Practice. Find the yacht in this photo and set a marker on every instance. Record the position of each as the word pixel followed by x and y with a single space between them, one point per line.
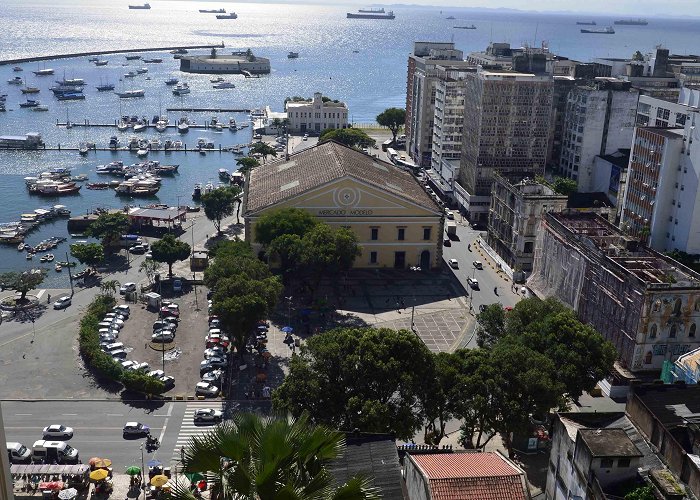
pixel 232 125
pixel 83 149
pixel 181 89
pixel 70 96
pixel 130 74
pixel 16 81
pixel 209 187
pixel 154 144
pixel 224 85
pixel 43 72
pixel 183 125
pixel 137 187
pixel 104 87
pixel 115 167
pixel 292 55
pixel 154 60
pixel 204 143
pixel 141 71
pixel 232 15
pixel 71 82
pixel 162 124
pixel 17 68
pixel 133 143
pixel 171 81
pixel 145 6
pixel 132 57
pixel 177 144
pixel 224 175
pixel 140 126
pixel 122 125
pixel 29 103
pixel 212 11
pixel 40 107
pixel 142 152
pixel 113 142
pixel 103 62
pixel 131 93
pixel 30 90
pixel 197 192
pixel 216 79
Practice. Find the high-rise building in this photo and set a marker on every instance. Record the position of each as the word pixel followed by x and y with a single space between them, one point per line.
pixel 599 120
pixel 420 94
pixel 506 129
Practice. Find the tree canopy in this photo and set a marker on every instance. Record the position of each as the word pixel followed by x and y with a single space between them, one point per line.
pixel 246 164
pixel 88 253
pixel 23 282
pixel 264 149
pixel 219 204
pixel 283 221
pixel 393 119
pixel 359 378
pixel 565 186
pixel 353 137
pixel 270 458
pixel 170 250
pixel 109 227
pixel 329 252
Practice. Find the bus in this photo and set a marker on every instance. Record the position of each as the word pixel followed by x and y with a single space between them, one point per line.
pixel 392 155
pixel 407 165
pixel 387 144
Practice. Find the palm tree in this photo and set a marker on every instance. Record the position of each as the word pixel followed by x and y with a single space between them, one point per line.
pixel 109 287
pixel 265 458
pixel 246 164
pixel 263 149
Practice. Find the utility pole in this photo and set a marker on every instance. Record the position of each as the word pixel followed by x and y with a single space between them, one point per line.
pixel 70 275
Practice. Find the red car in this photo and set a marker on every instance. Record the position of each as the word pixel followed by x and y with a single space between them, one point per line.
pixel 168 311
pixel 216 339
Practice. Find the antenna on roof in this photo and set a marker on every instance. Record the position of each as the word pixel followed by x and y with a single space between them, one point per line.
pixel 534 40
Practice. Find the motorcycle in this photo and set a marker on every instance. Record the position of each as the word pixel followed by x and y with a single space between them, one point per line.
pixel 152 442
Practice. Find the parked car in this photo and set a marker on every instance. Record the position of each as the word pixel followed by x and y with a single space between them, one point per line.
pixel 216 351
pixel 116 346
pixel 168 381
pixel 127 288
pixel 168 311
pixel 109 324
pixel 165 324
pixel 208 415
pixel 213 362
pixel 115 316
pixel 214 323
pixel 206 389
pixel 477 264
pixel 109 331
pixel 138 249
pixel 118 323
pixel 135 429
pixel 453 263
pixel 122 309
pixel 57 431
pixel 156 373
pixel 447 242
pixel 473 283
pixel 163 336
pixel 107 339
pixel 216 339
pixel 213 375
pixel 62 303
pixel 450 215
pixel 141 367
pixel 127 365
pixel 119 355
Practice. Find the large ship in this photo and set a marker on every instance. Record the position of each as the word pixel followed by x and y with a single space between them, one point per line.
pixel 380 10
pixel 632 22
pixel 585 23
pixel 371 15
pixel 145 6
pixel 231 15
pixel 606 31
pixel 212 11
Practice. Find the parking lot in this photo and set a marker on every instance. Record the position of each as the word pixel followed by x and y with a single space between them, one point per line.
pixel 180 358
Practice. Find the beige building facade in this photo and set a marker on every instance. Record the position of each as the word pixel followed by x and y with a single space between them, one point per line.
pixel 397 223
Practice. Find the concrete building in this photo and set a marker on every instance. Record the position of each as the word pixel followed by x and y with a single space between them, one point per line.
pixel 397 223
pixel 644 302
pixel 466 475
pixel 685 369
pixel 517 206
pixel 594 455
pixel 506 129
pixel 236 63
pixel 316 115
pixel 600 119
pixel 422 78
pixel 610 177
pixel 655 112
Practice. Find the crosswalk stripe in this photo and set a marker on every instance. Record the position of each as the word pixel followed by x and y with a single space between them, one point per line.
pixel 188 429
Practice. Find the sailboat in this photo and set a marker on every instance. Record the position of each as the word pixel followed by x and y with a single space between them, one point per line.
pixel 104 87
pixel 29 90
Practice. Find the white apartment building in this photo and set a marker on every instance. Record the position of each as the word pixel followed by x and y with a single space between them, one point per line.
pixel 599 120
pixel 316 115
pixel 654 112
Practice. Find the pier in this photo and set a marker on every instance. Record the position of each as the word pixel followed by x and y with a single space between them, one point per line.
pixel 209 110
pixel 106 52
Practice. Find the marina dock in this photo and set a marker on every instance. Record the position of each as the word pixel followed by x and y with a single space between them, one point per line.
pixel 105 52
pixel 208 110
pixel 205 126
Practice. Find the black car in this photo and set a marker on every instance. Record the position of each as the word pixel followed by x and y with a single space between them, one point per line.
pixel 447 242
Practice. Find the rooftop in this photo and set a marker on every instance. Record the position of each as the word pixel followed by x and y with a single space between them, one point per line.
pixel 690 359
pixel 671 133
pixel 621 158
pixel 322 164
pixel 472 476
pixel 609 443
pixel 673 405
pixel 166 214
pixel 589 200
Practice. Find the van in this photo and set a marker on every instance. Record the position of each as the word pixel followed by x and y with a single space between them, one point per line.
pixel 18 453
pixel 50 451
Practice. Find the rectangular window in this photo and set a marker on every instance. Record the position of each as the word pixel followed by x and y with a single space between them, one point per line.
pixel 623 462
pixel 606 463
pixel 375 233
pixel 426 233
pixel 373 257
pixel 402 234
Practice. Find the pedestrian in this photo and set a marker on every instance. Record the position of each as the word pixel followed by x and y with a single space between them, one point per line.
pixel 48 298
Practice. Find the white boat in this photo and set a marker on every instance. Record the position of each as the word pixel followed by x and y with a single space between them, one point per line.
pixel 216 79
pixel 16 81
pixel 223 174
pixel 181 89
pixel 122 125
pixel 113 142
pixel 183 125
pixel 162 124
pixel 171 81
pixel 209 187
pixel 41 107
pixel 140 126
pixel 141 71
pixel 130 74
pixel 154 144
pixel 224 85
pixel 177 144
pixel 133 143
pixel 131 93
pixel 141 153
pixel 83 149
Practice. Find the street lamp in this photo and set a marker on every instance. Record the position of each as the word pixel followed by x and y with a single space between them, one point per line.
pixel 413 307
pixel 143 476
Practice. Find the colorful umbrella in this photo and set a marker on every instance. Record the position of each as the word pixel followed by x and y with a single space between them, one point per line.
pixel 99 474
pixel 194 476
pixel 68 494
pixel 93 460
pixel 51 485
pixel 287 329
pixel 159 480
pixel 154 463
pixel 133 470
pixel 102 463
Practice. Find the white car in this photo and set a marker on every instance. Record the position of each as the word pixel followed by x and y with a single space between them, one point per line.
pixel 106 339
pixel 163 336
pixel 62 303
pixel 213 376
pixel 213 362
pixel 208 415
pixel 108 331
pixel 215 351
pixel 118 323
pixel 109 324
pixel 141 367
pixel 122 309
pixel 168 381
pixel 453 263
pixel 206 389
pixel 165 324
pixel 127 288
pixel 135 429
pixel 115 316
pixel 119 356
pixel 473 283
pixel 450 215
pixel 156 373
pixel 305 138
pixel 58 431
pixel 128 365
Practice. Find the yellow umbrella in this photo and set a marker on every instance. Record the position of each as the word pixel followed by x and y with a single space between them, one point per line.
pixel 102 463
pixel 159 480
pixel 99 474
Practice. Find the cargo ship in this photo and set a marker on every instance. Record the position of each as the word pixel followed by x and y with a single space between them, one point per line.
pixel 371 15
pixel 632 22
pixel 380 10
pixel 607 31
pixel 145 6
pixel 212 11
pixel 585 23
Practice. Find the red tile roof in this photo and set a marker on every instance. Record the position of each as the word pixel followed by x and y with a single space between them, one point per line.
pixel 472 476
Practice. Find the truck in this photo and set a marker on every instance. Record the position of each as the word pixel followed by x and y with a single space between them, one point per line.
pixel 18 453
pixel 451 228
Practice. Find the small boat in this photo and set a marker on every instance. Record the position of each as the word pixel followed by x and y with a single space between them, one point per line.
pixel 472 27
pixel 58 267
pixel 41 107
pixel 586 23
pixel 141 71
pixel 17 68
pixel 43 72
pixel 104 87
pixel 122 125
pixel 83 149
pixel 130 74
pixel 224 175
pixel 30 256
pixel 161 125
pixel 292 55
pixel 16 80
pixel 212 11
pixel 450 18
pixel 154 144
pixel 113 142
pixel 216 79
pixel 171 81
pixel 181 89
pixel 197 192
pixel 154 60
pixel 132 57
pixel 140 126
pixel 93 59
pixel 30 90
pixel 141 153
pixel 29 103
pixel 71 96
pixel 21 247
pixel 232 125
pixel 145 6
pixel 103 62
pixel 177 144
pixel 232 15
pixel 224 85
pixel 47 258
pixel 605 31
pixel 237 178
pixel 183 126
pixel 79 178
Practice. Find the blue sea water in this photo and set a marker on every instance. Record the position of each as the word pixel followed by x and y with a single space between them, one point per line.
pixel 369 81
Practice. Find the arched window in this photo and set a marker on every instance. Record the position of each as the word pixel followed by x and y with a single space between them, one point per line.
pixel 652 331
pixel 691 332
pixel 647 358
pixel 677 306
pixel 673 332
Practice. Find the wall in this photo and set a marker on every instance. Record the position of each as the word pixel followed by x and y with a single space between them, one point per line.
pixel 561 477
pixel 416 484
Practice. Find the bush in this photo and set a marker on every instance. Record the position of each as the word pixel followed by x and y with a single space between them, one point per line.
pixel 101 362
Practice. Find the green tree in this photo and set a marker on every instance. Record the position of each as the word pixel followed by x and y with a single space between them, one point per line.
pixel 352 137
pixel 283 221
pixel 328 251
pixel 23 282
pixel 264 149
pixel 641 493
pixel 88 253
pixel 491 325
pixel 109 227
pixel 270 458
pixel 149 267
pixel 289 249
pixel 170 250
pixel 565 186
pixel 439 394
pixel 109 287
pixel 231 259
pixel 219 204
pixel 359 378
pixel 393 119
pixel 247 164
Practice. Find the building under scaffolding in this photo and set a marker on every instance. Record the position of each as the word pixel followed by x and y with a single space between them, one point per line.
pixel 646 304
